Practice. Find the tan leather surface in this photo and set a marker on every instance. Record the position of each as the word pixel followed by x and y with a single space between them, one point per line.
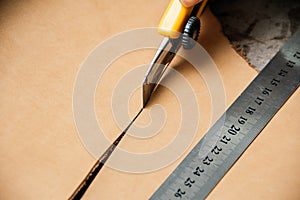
pixel 43 44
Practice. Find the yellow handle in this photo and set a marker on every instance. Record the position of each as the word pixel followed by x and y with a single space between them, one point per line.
pixel 175 17
pixel 202 7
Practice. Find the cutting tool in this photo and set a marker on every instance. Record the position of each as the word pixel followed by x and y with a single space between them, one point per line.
pixel 180 26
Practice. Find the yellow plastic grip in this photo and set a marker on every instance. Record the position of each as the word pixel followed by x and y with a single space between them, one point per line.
pixel 174 18
pixel 202 7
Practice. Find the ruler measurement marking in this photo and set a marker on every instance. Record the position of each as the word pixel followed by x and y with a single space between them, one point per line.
pixel 242 127
pixel 250 111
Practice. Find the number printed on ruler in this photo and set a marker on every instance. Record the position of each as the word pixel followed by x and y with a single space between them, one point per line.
pixel 207 163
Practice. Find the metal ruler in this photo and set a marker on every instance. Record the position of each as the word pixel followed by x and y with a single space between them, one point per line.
pixel 230 136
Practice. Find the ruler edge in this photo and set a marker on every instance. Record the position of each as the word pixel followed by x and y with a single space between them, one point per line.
pixel 240 148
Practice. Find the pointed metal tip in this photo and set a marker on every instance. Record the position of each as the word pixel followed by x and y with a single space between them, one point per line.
pixel 147 91
pixel 146 94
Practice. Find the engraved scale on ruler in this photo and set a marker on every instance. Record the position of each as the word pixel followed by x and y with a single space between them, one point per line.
pixel 198 174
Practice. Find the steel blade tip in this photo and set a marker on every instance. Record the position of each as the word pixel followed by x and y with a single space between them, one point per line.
pixel 147 91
